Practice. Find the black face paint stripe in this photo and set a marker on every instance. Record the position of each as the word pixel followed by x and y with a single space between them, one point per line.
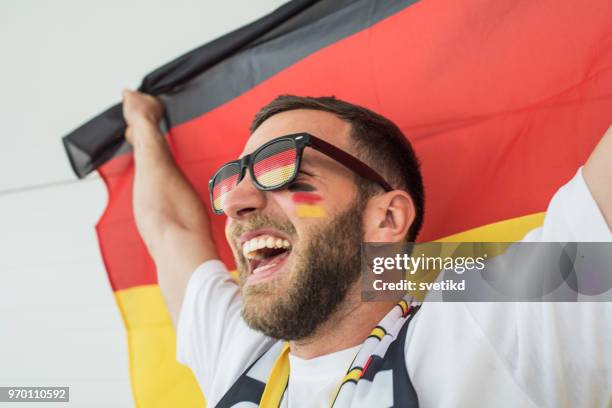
pixel 302 187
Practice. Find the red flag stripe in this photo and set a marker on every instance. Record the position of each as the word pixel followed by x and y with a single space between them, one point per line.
pixel 498 122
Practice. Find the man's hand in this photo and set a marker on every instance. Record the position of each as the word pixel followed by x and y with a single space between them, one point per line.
pixel 170 216
pixel 140 110
pixel 598 176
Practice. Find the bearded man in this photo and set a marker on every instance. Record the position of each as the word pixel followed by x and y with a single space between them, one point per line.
pixel 293 331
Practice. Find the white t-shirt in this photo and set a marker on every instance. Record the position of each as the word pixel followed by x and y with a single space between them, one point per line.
pixel 457 354
pixel 319 377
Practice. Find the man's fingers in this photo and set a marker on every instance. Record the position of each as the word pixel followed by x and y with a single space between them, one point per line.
pixel 141 112
pixel 138 106
pixel 128 96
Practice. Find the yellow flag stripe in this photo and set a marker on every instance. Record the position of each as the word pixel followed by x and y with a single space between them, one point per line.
pixel 157 379
pixel 511 230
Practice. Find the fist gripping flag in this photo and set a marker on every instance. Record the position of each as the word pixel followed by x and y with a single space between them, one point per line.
pixel 502 101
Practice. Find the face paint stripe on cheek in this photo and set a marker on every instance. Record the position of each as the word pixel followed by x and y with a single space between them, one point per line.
pixel 310 211
pixel 307 206
pixel 306 198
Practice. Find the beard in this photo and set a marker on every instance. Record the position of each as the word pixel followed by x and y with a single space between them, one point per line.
pixel 292 306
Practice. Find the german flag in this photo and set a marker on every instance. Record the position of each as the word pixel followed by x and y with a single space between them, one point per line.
pixel 503 100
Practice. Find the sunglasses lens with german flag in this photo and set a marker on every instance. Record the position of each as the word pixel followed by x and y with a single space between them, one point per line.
pixel 272 167
pixel 275 165
pixel 225 180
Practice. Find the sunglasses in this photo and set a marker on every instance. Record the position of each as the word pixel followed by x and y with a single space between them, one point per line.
pixel 276 164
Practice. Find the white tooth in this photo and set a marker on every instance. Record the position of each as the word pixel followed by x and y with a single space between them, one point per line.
pixel 278 243
pixel 261 243
pixel 270 242
pixel 286 243
pixel 245 250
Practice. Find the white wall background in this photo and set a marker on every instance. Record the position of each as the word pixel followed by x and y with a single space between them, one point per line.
pixel 62 62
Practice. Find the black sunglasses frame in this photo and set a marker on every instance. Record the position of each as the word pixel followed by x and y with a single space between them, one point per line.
pixel 301 140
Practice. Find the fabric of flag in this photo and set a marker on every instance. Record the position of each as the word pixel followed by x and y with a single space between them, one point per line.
pixel 502 100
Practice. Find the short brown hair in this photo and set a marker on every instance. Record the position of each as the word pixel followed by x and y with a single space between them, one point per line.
pixel 378 141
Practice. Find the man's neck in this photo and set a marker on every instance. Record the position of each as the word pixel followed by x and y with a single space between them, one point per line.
pixel 349 326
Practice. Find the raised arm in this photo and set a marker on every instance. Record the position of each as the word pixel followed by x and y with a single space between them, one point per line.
pixel 169 214
pixel 598 175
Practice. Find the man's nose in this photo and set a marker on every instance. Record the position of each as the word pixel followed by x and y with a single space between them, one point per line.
pixel 244 199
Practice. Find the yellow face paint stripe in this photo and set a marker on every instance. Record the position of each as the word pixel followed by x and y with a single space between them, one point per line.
pixel 310 211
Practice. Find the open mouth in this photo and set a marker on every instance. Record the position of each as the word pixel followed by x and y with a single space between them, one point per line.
pixel 265 255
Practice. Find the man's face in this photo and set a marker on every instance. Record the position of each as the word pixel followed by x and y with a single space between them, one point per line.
pixel 296 268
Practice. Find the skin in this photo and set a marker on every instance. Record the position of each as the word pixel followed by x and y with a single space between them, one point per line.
pixel 173 223
pixel 170 217
pixel 387 218
pixel 598 175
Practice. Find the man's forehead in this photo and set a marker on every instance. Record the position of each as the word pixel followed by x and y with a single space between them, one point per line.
pixel 323 125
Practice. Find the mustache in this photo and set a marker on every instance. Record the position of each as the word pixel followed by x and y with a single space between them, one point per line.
pixel 261 221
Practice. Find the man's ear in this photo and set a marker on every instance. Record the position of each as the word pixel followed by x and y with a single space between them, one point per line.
pixel 388 217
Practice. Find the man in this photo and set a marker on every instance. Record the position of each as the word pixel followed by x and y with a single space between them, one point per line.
pixel 299 274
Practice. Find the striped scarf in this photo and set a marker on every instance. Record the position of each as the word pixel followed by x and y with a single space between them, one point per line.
pixel 377 376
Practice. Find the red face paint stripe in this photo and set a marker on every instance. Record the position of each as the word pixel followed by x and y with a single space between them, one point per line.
pixel 306 198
